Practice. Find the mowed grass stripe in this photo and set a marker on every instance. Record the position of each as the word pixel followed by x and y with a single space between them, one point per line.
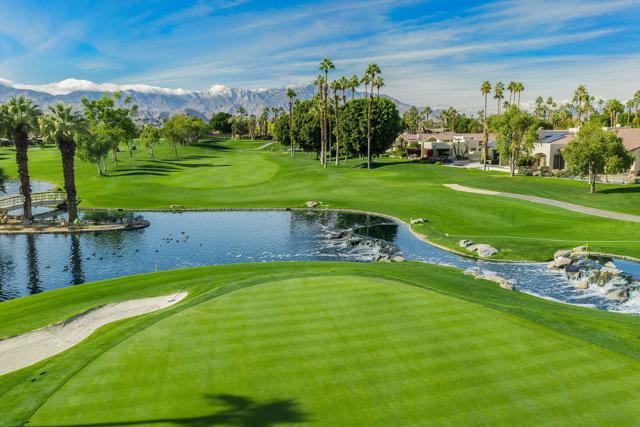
pixel 361 367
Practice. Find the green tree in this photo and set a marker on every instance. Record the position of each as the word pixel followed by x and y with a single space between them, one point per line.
pixel 117 116
pixel 291 95
pixel 175 131
pixel 411 120
pixel 19 118
pixel 595 152
pixel 149 137
pixel 282 131
pixel 515 135
pixel 344 85
pixel 378 83
pixel 219 122
pixel 65 127
pixel 95 145
pixel 579 98
pixel 335 87
pixel 305 132
pixel 357 137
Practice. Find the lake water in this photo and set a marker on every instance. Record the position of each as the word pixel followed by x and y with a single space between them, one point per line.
pixel 35 263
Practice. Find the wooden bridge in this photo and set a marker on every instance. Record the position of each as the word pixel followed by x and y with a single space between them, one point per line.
pixel 50 198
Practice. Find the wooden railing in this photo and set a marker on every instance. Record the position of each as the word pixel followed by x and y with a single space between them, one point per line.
pixel 14 201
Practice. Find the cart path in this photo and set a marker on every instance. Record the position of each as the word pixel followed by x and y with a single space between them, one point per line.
pixel 551 202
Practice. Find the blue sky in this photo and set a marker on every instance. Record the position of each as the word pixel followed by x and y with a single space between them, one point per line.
pixel 431 52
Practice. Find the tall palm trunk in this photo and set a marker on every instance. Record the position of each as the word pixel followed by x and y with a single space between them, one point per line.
pixel 68 152
pixel 353 93
pixel 335 103
pixel 369 129
pixel 485 135
pixel 293 151
pixel 21 142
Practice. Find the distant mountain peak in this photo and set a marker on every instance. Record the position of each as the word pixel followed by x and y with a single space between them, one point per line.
pixel 155 103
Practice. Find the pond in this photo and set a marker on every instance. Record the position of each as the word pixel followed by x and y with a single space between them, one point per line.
pixel 31 264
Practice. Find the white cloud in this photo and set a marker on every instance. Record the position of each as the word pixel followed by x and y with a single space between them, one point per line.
pixel 67 86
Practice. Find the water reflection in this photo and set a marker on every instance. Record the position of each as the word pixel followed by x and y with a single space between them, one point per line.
pixel 33 269
pixel 75 261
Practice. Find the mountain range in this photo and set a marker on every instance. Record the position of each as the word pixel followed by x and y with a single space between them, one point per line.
pixel 156 103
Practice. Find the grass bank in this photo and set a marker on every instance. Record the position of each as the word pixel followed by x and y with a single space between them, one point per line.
pixel 326 344
pixel 219 173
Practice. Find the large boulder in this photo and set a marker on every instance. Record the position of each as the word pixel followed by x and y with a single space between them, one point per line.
pixel 562 253
pixel 582 285
pixel 465 243
pixel 562 262
pixel 417 220
pixel 312 204
pixel 620 295
pixel 483 250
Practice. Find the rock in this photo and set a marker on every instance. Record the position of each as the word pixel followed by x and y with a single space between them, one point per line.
pixel 610 264
pixel 582 285
pixel 621 295
pixel 398 258
pixel 552 266
pixel 613 271
pixel 312 204
pixel 506 285
pixel 483 250
pixel 417 220
pixel 572 272
pixel 562 262
pixel 562 254
pixel 579 249
pixel 465 243
pixel 471 272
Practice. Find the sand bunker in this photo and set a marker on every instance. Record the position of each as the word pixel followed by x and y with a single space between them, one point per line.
pixel 26 349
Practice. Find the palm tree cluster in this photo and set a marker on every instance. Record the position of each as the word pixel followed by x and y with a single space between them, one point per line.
pixel 21 120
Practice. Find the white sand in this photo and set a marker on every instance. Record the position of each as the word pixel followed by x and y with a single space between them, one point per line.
pixel 31 347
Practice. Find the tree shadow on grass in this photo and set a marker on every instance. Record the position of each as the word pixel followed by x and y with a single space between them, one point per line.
pixel 231 410
pixel 621 190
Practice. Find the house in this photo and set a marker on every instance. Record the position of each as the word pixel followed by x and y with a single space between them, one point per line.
pixel 547 150
pixel 631 141
pixel 446 144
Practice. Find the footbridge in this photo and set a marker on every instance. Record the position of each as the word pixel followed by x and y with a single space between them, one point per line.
pixel 49 198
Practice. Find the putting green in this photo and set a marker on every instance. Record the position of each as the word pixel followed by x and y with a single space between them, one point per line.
pixel 347 350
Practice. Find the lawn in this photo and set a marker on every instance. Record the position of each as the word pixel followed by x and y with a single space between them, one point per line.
pixel 319 344
pixel 218 173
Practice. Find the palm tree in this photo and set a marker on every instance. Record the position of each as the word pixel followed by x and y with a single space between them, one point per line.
pixel 335 87
pixel 365 80
pixel 519 89
pixel 344 85
pixel 290 95
pixel 378 83
pixel 20 117
pixel 550 105
pixel 451 114
pixel 636 98
pixel 629 105
pixel 319 83
pixel 354 83
pixel 485 89
pixel 578 98
pixel 427 112
pixel 64 126
pixel 498 94
pixel 372 71
pixel 326 65
pixel 512 87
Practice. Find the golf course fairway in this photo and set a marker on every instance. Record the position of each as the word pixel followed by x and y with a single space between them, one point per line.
pixel 326 344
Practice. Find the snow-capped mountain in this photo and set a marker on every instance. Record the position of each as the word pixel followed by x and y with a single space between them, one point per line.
pixel 157 103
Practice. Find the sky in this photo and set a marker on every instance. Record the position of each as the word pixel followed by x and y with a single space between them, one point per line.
pixel 434 53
